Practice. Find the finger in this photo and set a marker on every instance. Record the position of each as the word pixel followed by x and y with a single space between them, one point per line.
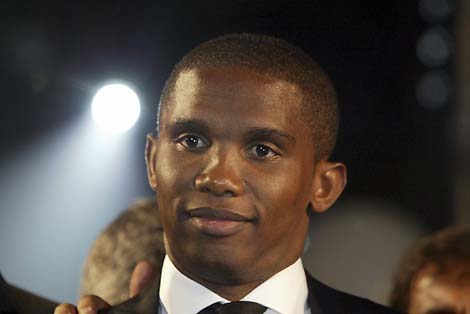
pixel 65 308
pixel 143 274
pixel 91 304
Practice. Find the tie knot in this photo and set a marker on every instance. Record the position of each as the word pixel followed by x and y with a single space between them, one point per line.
pixel 237 307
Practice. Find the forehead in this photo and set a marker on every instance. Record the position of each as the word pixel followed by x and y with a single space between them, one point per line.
pixel 243 94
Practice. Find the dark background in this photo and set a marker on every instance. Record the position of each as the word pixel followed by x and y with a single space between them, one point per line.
pixel 56 54
pixel 395 149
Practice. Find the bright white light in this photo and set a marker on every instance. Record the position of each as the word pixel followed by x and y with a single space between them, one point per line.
pixel 115 108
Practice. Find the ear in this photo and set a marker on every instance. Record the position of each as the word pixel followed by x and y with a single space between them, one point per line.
pixel 329 181
pixel 150 159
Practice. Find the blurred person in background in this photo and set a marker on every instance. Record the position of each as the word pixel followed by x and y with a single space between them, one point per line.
pixel 434 275
pixel 134 238
pixel 121 261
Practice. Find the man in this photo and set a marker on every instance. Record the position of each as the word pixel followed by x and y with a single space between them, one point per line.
pixel 434 275
pixel 245 127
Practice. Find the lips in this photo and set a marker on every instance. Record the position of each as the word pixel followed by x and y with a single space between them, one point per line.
pixel 217 214
pixel 217 222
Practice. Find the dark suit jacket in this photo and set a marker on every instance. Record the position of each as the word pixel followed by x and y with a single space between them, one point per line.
pixel 17 301
pixel 321 298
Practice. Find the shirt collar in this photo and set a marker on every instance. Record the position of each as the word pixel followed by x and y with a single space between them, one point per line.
pixel 285 292
pixel 182 295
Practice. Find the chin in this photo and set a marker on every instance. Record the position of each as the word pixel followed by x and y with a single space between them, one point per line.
pixel 224 270
pixel 222 264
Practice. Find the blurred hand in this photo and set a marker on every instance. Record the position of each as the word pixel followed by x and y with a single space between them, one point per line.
pixel 88 304
pixel 142 275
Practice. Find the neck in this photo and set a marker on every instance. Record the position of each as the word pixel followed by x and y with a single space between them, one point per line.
pixel 229 288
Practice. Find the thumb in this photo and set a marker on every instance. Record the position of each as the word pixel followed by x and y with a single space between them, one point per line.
pixel 143 274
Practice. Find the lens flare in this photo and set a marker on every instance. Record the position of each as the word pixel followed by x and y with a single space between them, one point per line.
pixel 115 108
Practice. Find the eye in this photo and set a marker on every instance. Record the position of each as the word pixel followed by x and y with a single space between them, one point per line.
pixel 262 151
pixel 191 141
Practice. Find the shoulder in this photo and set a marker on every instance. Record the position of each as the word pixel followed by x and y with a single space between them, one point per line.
pixel 16 300
pixel 325 299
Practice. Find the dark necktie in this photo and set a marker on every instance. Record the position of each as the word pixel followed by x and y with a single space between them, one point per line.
pixel 238 307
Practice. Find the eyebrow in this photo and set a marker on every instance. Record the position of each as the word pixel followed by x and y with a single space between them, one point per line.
pixel 183 125
pixel 268 132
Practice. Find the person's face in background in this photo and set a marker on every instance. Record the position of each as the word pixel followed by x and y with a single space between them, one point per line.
pixel 441 291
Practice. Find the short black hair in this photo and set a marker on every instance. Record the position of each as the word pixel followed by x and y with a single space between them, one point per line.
pixel 277 59
pixel 442 250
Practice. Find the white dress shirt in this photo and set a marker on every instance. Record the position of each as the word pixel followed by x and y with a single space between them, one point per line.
pixel 284 293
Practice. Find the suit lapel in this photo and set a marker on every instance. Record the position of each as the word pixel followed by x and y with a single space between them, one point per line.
pixel 311 297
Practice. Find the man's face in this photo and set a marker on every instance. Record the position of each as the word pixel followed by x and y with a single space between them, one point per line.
pixel 441 291
pixel 234 166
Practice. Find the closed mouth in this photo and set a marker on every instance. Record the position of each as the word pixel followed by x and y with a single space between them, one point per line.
pixel 217 222
pixel 217 214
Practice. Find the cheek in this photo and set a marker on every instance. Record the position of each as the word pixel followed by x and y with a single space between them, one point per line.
pixel 172 181
pixel 286 186
pixel 284 197
pixel 173 171
pixel 283 216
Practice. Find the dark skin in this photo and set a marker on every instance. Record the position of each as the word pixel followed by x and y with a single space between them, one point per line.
pixel 234 141
pixel 236 170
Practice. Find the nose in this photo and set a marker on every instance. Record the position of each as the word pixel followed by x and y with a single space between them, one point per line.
pixel 221 177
